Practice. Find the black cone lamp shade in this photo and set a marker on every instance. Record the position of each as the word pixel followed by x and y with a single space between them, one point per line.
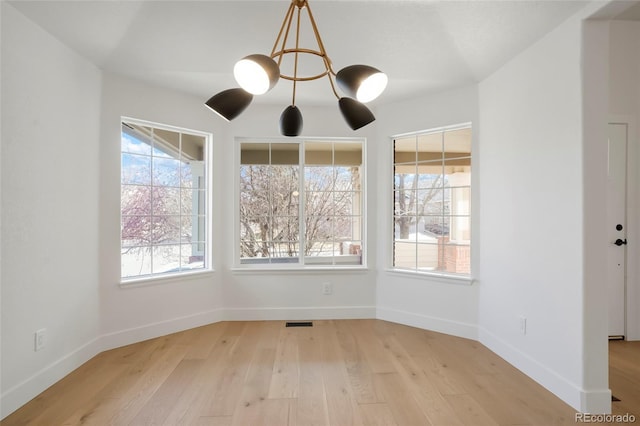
pixel 257 74
pixel 230 103
pixel 362 82
pixel 356 114
pixel 291 121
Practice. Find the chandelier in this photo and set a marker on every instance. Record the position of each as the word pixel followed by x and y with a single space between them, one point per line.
pixel 257 74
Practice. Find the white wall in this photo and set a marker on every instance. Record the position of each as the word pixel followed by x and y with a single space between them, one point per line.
pixel 50 139
pixel 624 105
pixel 423 301
pixel 133 313
pixel 531 221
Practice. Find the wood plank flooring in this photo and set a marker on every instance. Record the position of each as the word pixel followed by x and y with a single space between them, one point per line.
pixel 624 377
pixel 343 372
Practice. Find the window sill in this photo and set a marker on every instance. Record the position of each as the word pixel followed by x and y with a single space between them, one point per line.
pixel 299 270
pixel 434 276
pixel 165 279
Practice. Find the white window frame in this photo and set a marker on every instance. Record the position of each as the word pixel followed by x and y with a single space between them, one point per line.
pixel 443 276
pixel 304 263
pixel 205 173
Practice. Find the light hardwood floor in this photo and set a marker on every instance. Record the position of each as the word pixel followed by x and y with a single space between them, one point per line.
pixel 624 377
pixel 361 372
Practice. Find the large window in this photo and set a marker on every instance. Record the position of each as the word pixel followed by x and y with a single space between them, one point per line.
pixel 432 194
pixel 301 203
pixel 164 196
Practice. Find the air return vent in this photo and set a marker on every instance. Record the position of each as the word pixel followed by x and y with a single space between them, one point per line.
pixel 299 324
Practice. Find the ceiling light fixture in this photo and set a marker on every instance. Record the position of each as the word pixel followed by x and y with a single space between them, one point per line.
pixel 257 74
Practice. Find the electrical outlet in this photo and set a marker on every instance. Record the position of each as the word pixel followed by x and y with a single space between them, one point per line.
pixel 327 288
pixel 523 325
pixel 39 339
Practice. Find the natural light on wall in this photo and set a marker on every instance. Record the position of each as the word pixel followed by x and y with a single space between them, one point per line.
pixel 432 201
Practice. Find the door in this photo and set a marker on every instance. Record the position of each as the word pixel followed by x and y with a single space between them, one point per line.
pixel 616 227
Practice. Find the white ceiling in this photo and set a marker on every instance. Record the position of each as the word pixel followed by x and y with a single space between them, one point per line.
pixel 423 46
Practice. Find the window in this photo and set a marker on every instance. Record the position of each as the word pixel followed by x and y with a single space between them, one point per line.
pixel 301 203
pixel 164 200
pixel 432 194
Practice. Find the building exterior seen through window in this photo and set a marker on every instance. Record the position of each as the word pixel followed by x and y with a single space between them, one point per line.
pixel 432 201
pixel 163 202
pixel 301 203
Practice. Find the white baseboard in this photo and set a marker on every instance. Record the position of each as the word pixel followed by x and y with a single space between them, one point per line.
pixel 161 328
pixel 23 392
pixel 594 402
pixel 440 325
pixel 308 313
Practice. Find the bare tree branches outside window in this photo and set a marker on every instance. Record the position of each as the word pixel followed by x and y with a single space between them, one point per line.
pixel 291 213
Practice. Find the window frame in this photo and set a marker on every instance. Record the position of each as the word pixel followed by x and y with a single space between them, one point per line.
pixel 437 275
pixel 207 174
pixel 238 266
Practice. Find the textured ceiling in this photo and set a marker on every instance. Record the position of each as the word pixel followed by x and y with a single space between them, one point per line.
pixel 423 46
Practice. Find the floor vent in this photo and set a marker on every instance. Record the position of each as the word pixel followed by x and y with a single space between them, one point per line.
pixel 299 324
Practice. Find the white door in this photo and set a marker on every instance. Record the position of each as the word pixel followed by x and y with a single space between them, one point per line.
pixel 616 227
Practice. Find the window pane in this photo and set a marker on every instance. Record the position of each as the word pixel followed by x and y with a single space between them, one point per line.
pixel 319 178
pixel 432 201
pixel 460 200
pixel 460 229
pixel 136 169
pixel 165 201
pixel 136 231
pixel 254 153
pixel 286 228
pixel 318 228
pixel 430 177
pixel 457 143
pixel 165 229
pixel 346 178
pixel 404 255
pixel 190 257
pixel 166 171
pixel 346 228
pixel 135 261
pixel 135 200
pixel 404 174
pixel 285 153
pixel 430 147
pixel 132 145
pixel 428 256
pixel 166 258
pixel 434 226
pixel 318 153
pixel 348 154
pixel 193 201
pixel 192 147
pixel 404 150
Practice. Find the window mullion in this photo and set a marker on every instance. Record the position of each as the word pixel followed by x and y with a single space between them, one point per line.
pixel 302 232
